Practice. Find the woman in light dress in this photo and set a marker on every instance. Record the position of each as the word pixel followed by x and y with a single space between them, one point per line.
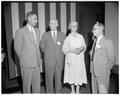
pixel 74 47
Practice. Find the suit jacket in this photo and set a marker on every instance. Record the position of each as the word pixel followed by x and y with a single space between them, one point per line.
pixel 103 58
pixel 26 48
pixel 52 51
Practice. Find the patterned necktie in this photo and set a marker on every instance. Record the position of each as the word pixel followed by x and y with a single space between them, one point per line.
pixel 94 45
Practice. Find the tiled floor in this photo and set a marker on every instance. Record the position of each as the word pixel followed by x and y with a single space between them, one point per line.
pixel 85 89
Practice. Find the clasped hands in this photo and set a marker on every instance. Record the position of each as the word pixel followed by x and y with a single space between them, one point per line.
pixel 77 50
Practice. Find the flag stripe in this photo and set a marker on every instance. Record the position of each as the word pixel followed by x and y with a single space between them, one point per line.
pixel 21 14
pixel 35 10
pixel 77 14
pixel 47 16
pixel 15 24
pixel 41 17
pixel 63 17
pixel 15 17
pixel 52 10
pixel 58 15
pixel 73 11
pixel 28 7
pixel 68 15
pixel 9 36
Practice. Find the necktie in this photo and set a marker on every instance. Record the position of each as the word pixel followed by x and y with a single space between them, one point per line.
pixel 93 52
pixel 32 30
pixel 54 36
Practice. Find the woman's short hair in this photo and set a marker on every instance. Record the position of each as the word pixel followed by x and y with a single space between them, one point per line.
pixel 71 23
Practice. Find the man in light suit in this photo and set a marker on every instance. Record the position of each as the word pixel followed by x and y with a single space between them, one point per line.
pixel 102 60
pixel 27 40
pixel 51 46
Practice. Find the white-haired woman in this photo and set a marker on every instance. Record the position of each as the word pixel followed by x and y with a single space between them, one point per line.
pixel 74 47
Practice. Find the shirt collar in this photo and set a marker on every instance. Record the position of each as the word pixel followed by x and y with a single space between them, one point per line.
pixel 98 39
pixel 30 28
pixel 54 31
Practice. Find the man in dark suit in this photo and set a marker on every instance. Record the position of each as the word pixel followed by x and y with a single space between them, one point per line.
pixel 102 60
pixel 51 46
pixel 27 40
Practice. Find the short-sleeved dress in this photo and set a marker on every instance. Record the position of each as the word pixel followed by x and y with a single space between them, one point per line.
pixel 76 72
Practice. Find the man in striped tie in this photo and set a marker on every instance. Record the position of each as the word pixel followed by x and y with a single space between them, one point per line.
pixel 26 44
pixel 51 46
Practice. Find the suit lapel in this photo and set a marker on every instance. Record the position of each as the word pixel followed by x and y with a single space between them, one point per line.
pixel 37 37
pixel 30 35
pixel 93 47
pixel 100 43
pixel 50 36
pixel 58 37
pixel 102 40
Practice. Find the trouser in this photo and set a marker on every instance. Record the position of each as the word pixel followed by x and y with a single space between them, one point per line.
pixel 31 78
pixel 52 74
pixel 100 84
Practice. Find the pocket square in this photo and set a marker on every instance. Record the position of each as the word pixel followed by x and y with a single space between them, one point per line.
pixel 58 43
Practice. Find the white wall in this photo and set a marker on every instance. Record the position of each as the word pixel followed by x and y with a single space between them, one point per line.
pixel 111 25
